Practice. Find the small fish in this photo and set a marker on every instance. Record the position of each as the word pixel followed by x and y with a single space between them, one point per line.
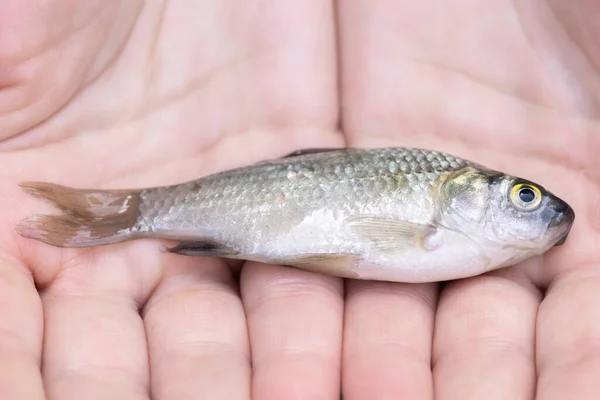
pixel 388 214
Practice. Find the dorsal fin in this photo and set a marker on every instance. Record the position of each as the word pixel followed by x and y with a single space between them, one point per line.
pixel 315 150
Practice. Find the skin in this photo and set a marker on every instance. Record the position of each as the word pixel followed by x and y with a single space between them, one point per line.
pixel 116 94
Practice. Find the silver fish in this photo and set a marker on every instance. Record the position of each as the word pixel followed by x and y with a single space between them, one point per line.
pixel 389 214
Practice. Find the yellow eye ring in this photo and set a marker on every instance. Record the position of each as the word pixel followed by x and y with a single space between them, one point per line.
pixel 525 196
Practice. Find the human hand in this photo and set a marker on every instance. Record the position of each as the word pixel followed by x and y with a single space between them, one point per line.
pixel 132 94
pixel 231 94
pixel 514 86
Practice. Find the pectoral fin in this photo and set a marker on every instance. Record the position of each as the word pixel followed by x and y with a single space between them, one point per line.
pixel 389 234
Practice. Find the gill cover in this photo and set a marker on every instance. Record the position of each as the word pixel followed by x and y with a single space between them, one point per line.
pixel 465 193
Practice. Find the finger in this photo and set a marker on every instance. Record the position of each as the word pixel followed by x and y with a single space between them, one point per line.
pixel 484 340
pixel 21 325
pixel 94 344
pixel 197 335
pixel 387 341
pixel 295 325
pixel 568 338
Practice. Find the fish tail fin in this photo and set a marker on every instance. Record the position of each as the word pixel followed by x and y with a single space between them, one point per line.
pixel 91 217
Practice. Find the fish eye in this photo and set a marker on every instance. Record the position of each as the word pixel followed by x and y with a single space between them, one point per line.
pixel 526 197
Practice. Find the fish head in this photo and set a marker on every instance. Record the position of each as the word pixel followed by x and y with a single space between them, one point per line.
pixel 506 216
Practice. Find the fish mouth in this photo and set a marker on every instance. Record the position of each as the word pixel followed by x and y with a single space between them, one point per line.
pixel 565 216
pixel 562 239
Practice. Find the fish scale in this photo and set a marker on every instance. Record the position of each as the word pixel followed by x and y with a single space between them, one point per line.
pixel 271 198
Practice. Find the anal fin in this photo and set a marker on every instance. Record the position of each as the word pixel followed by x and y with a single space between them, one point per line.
pixel 339 265
pixel 202 248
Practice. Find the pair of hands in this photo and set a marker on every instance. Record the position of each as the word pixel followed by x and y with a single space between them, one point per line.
pixel 130 94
